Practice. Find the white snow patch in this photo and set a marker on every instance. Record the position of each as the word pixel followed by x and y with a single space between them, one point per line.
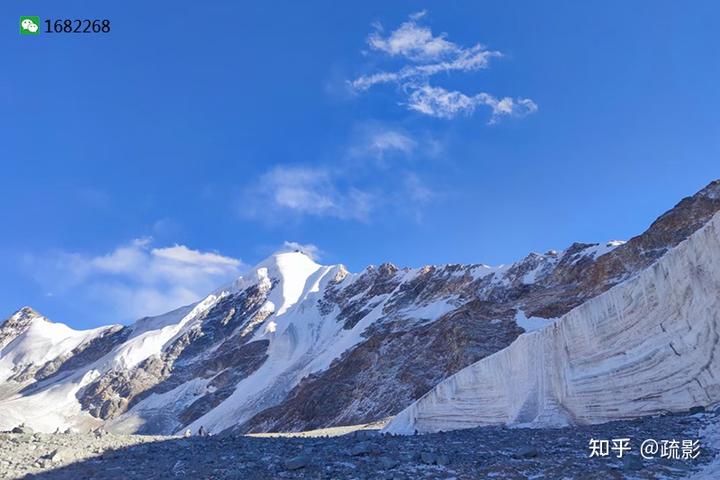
pixel 481 271
pixel 601 249
pixel 271 327
pixel 530 324
pixel 150 335
pixel 530 277
pixel 430 311
pixel 55 407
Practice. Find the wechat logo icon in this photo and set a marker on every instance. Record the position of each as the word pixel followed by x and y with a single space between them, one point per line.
pixel 29 25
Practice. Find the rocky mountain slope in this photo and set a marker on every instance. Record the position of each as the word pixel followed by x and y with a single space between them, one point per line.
pixel 294 345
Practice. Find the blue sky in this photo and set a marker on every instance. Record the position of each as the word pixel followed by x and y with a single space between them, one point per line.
pixel 144 167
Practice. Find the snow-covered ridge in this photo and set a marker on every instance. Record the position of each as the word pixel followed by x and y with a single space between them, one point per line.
pixel 40 342
pixel 289 277
pixel 646 346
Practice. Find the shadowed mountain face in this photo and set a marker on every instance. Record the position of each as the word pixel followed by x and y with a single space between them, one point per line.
pixel 295 345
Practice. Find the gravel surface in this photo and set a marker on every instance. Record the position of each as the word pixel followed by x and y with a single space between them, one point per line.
pixel 487 452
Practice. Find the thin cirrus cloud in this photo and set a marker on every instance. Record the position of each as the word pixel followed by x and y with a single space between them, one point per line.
pixel 385 141
pixel 308 191
pixel 375 146
pixel 427 55
pixel 134 279
pixel 350 188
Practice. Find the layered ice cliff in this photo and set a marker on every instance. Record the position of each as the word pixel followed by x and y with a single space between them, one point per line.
pixel 648 345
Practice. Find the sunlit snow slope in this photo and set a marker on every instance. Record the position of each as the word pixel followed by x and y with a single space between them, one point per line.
pixel 646 346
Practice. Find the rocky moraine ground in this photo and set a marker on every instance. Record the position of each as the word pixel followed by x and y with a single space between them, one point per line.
pixel 489 452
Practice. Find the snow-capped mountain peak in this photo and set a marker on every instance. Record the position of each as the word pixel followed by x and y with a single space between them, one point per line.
pixel 292 275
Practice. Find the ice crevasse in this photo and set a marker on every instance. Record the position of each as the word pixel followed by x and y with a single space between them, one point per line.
pixel 648 345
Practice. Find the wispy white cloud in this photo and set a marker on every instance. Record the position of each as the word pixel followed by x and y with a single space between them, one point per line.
pixel 300 190
pixel 379 144
pixel 438 102
pixel 412 41
pixel 441 103
pixel 134 279
pixel 428 55
pixel 387 140
pixel 468 60
pixel 418 44
pixel 367 176
pixel 416 190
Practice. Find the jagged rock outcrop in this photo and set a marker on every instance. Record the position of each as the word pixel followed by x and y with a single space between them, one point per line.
pixel 295 345
pixel 16 325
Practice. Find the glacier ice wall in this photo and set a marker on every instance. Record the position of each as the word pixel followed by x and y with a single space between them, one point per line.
pixel 646 346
